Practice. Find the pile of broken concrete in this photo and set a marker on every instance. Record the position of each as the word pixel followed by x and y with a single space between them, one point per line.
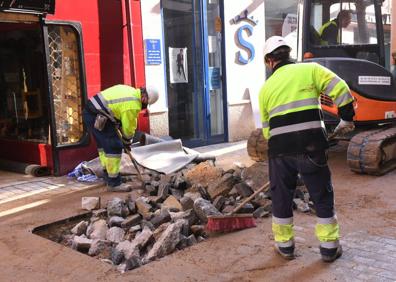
pixel 169 213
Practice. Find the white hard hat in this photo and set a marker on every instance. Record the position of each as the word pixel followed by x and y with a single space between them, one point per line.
pixel 273 43
pixel 152 93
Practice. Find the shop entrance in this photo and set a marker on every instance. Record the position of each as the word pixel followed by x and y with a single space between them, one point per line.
pixel 193 50
pixel 42 92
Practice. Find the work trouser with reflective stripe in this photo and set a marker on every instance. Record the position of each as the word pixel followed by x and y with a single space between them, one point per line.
pixel 109 147
pixel 316 175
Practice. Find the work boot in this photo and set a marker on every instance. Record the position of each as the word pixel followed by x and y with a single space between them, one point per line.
pixel 330 255
pixel 285 252
pixel 123 187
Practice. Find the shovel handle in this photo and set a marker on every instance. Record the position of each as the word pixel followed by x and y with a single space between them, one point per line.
pixel 248 199
pixel 129 154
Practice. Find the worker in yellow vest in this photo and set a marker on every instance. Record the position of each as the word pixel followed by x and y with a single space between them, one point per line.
pixel 297 143
pixel 118 105
pixel 330 32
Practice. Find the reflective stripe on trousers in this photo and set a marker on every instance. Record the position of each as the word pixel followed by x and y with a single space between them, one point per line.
pixel 282 228
pixel 113 162
pixel 327 231
pixel 102 157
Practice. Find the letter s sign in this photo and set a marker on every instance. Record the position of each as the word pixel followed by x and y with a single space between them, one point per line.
pixel 248 47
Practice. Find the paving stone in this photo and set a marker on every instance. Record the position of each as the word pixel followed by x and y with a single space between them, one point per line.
pixel 143 238
pixel 243 189
pixel 115 221
pixel 80 228
pixel 131 221
pixel 127 250
pixel 163 190
pixel 221 186
pixel 219 202
pixel 186 203
pixel 172 203
pixel 97 230
pixel 115 207
pixel 98 247
pixel 189 215
pixel 115 234
pixel 204 208
pixel 143 208
pixel 81 243
pixel 90 203
pixel 161 218
pixel 167 242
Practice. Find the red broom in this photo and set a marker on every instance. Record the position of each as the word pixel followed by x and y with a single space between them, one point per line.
pixel 232 221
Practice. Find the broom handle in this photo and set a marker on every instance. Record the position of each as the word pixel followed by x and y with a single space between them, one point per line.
pixel 262 188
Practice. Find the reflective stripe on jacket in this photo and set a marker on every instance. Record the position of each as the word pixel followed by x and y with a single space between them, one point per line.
pixel 290 109
pixel 123 103
pixel 329 33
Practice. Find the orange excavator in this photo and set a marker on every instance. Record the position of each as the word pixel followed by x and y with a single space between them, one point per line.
pixel 358 56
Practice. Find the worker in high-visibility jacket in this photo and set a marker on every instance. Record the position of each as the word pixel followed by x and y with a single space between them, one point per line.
pixel 297 142
pixel 330 32
pixel 118 105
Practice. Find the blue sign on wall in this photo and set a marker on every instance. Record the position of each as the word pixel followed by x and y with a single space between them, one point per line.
pixel 214 78
pixel 152 49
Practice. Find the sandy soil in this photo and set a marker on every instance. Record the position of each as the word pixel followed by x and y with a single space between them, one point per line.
pixel 363 203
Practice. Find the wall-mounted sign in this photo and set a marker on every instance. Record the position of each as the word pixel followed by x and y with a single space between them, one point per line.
pixel 241 41
pixel 178 69
pixel 152 51
pixel 214 78
pixel 41 6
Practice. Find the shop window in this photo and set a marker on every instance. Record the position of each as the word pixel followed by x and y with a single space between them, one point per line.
pixel 24 111
pixel 65 72
pixel 281 20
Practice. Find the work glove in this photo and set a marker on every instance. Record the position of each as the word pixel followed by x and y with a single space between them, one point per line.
pixel 344 127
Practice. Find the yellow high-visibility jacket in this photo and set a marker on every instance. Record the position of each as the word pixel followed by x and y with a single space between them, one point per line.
pixel 123 103
pixel 290 109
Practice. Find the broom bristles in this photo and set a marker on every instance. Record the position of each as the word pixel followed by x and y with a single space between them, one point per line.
pixel 229 223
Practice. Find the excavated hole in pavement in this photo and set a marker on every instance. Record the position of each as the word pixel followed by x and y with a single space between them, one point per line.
pixel 166 214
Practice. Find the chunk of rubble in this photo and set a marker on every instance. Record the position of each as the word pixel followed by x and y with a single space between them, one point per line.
pixel 260 212
pixel 162 217
pixel 81 243
pixel 172 203
pixel 80 228
pixel 187 203
pixel 115 234
pixel 90 203
pixel 143 208
pixel 117 207
pixel 115 221
pixel 204 208
pixel 167 242
pixel 98 247
pixel 131 221
pixel 143 238
pixel 97 229
pixel 221 186
pixel 301 205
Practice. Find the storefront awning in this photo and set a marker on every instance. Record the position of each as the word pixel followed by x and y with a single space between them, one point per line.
pixel 28 6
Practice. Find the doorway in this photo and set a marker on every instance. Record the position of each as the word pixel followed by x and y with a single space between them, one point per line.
pixel 193 43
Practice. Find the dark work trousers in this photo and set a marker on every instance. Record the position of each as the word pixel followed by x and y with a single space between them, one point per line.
pixel 107 139
pixel 316 175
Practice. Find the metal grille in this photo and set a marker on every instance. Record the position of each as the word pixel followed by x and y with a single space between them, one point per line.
pixel 66 90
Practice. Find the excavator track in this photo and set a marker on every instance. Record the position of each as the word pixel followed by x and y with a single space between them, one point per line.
pixel 373 152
